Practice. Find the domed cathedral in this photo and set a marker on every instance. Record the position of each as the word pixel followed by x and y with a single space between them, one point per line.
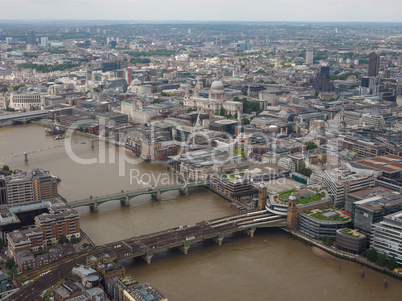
pixel 215 102
pixel 217 91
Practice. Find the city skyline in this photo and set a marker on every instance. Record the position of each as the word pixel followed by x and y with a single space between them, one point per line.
pixel 223 10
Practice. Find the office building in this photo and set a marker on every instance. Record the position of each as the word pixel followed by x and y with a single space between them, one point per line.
pixel 387 236
pixel 3 191
pixel 31 40
pixel 19 189
pixel 320 224
pixel 339 182
pixel 390 167
pixel 30 186
pixel 374 64
pixel 44 41
pixel 322 81
pixel 350 240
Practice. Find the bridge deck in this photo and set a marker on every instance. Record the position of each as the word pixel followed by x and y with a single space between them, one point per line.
pixel 185 236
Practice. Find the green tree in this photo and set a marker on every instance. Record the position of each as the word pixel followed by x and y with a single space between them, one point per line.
pixel 4 89
pixel 245 121
pixel 1 244
pixel 63 239
pixel 311 145
pixel 222 112
pixel 382 259
pixel 392 263
pixel 6 167
pixel 10 263
pixel 306 172
pixel 372 255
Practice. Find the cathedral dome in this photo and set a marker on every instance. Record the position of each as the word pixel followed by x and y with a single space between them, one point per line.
pixel 217 85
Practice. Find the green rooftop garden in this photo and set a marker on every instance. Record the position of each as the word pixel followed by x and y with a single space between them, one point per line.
pixel 285 194
pixel 304 197
pixel 319 214
pixel 311 198
pixel 350 232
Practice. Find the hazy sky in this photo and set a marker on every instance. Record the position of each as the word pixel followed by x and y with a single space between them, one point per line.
pixel 200 10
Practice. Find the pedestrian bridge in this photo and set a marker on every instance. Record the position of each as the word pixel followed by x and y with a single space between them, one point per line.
pixel 125 196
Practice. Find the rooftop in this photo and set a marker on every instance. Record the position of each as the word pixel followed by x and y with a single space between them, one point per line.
pixel 329 214
pixel 389 163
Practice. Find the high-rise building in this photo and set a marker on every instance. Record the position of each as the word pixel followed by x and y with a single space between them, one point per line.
pixel 309 57
pixel 30 186
pixel 31 40
pixel 44 41
pixel 399 61
pixel 374 64
pixel 3 192
pixel 323 82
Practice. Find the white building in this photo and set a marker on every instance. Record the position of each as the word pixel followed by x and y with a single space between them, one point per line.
pixel 26 101
pixel 44 41
pixel 215 102
pixel 309 57
pixel 339 182
pixel 387 236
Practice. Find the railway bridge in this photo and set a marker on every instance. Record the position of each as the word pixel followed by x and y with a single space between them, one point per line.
pixel 184 236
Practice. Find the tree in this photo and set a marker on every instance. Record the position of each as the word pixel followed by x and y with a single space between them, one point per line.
pixel 382 259
pixel 311 145
pixel 4 89
pixel 6 167
pixel 1 244
pixel 372 255
pixel 222 112
pixel 245 121
pixel 306 172
pixel 10 263
pixel 392 263
pixel 63 239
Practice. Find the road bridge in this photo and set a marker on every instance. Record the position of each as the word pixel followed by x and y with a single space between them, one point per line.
pixel 23 117
pixel 125 196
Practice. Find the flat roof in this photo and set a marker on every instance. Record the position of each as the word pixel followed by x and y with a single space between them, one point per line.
pixel 388 163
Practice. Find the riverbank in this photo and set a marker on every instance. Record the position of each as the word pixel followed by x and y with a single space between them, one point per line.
pixel 342 254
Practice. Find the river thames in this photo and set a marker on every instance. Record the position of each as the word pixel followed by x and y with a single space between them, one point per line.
pixel 270 266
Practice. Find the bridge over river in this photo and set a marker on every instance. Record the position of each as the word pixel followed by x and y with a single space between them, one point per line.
pixel 184 236
pixel 23 117
pixel 125 196
pixel 145 246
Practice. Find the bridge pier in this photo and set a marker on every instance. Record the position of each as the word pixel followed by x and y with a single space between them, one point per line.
pixel 125 202
pixel 157 196
pixel 219 239
pixel 92 144
pixel 184 191
pixel 185 248
pixel 94 207
pixel 148 256
pixel 26 157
